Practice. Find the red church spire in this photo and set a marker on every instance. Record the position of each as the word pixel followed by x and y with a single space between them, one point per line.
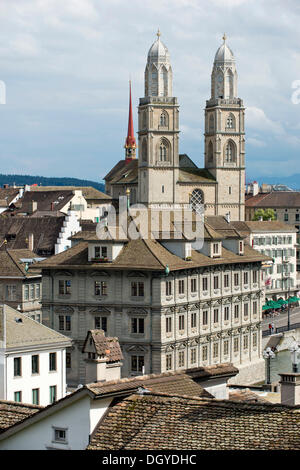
pixel 130 143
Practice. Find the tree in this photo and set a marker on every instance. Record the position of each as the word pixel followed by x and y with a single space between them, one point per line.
pixel 267 214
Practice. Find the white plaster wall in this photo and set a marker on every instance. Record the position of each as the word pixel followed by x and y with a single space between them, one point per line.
pixel 43 380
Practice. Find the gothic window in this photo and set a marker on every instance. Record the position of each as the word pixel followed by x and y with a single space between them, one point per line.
pixel 211 124
pixel 230 121
pixel 163 119
pixel 163 82
pixel 196 199
pixel 144 151
pixel 230 152
pixel 154 82
pixel 210 152
pixel 163 150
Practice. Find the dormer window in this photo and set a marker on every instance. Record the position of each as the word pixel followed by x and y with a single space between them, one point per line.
pixel 241 247
pixel 100 252
pixel 216 249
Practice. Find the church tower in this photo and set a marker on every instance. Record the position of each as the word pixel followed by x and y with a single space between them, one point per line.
pixel 158 111
pixel 225 136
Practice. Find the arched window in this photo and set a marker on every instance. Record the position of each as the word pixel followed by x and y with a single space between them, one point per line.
pixel 144 150
pixel 163 153
pixel 163 119
pixel 230 152
pixel 197 200
pixel 230 121
pixel 210 152
pixel 163 85
pixel 154 82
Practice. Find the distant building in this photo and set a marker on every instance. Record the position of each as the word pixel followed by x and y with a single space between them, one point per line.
pixel 277 240
pixel 20 288
pixel 32 360
pixel 286 205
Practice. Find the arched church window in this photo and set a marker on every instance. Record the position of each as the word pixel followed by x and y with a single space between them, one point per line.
pixel 197 200
pixel 230 152
pixel 210 151
pixel 164 119
pixel 154 82
pixel 230 121
pixel 163 152
pixel 163 82
pixel 144 151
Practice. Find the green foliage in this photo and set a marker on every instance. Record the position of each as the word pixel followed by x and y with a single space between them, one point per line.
pixel 266 214
pixel 20 180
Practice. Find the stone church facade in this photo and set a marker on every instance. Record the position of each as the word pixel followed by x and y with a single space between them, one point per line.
pixel 160 174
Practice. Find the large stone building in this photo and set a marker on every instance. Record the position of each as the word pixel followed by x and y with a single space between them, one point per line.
pixel 172 307
pixel 161 174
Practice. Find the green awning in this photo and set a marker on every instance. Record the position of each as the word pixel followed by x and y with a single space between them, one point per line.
pixel 282 301
pixel 294 299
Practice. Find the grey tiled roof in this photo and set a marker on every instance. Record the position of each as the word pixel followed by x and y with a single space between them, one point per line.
pixel 12 413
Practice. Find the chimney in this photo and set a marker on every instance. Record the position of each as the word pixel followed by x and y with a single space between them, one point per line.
pixel 255 188
pixel 30 241
pixel 290 389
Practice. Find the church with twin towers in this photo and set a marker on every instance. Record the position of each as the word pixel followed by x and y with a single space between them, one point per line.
pixel 154 172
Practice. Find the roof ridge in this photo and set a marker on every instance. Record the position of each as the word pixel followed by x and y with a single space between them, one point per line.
pixel 22 272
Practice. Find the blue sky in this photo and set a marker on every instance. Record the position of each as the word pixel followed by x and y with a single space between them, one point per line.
pixel 66 66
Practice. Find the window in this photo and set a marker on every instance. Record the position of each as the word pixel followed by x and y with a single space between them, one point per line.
pixel 52 361
pixel 18 397
pixel 226 280
pixel 204 353
pixel 60 435
pixel 168 324
pixel 181 322
pixel 17 367
pixel 193 320
pixel 205 317
pixel 64 287
pixel 255 307
pixel 193 356
pixel 168 288
pixel 101 323
pixel 168 361
pixel 36 396
pixel 254 340
pixel 246 278
pixel 181 286
pixel 32 291
pixel 52 390
pixel 68 360
pixel 241 247
pixel 216 282
pixel 181 359
pixel 226 313
pixel 11 292
pixel 163 119
pixel 26 292
pixel 204 283
pixel 100 288
pixel 246 310
pixel 100 252
pixel 137 289
pixel 229 152
pixel 286 217
pixel 35 364
pixel 236 312
pixel 137 325
pixel 38 291
pixel 194 285
pixel 215 350
pixel 64 323
pixel 235 345
pixel 226 347
pixel 137 363
pixel 216 315
pixel 245 342
pixel 236 279
pixel 215 248
pixel 162 152
pixel 255 276
pixel 197 199
pixel 230 122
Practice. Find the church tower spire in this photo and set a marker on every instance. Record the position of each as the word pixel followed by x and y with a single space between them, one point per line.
pixel 225 135
pixel 158 130
pixel 130 143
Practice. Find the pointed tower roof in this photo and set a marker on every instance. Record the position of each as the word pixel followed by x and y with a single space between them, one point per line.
pixel 224 53
pixel 130 139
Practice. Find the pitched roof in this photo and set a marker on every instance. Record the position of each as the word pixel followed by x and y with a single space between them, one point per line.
pixel 12 263
pixel 159 421
pixel 274 199
pixel 12 413
pixel 246 395
pixel 7 195
pixel 46 200
pixel 88 192
pixel 16 231
pixel 270 226
pixel 24 332
pixel 105 346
